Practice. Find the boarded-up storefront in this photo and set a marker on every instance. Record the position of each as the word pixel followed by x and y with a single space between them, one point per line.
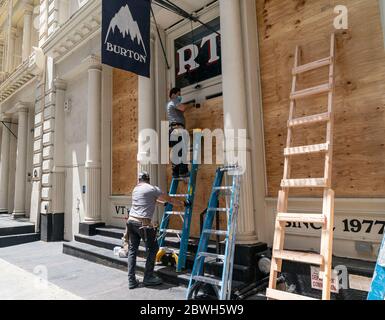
pixel 124 132
pixel 359 151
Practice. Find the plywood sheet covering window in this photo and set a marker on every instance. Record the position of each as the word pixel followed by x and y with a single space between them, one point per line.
pixel 359 138
pixel 124 132
pixel 209 116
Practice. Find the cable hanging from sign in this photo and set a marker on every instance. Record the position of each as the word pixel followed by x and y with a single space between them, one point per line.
pixel 9 129
pixel 168 5
pixel 160 39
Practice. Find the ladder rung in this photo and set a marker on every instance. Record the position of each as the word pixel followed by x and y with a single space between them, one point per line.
pixel 301 217
pixel 323 88
pixel 218 209
pixel 282 295
pixel 223 188
pixel 211 255
pixel 304 257
pixel 171 231
pixel 181 179
pixel 170 250
pixel 230 168
pixel 216 232
pixel 178 195
pixel 304 183
pixel 208 280
pixel 324 147
pixel 174 213
pixel 312 65
pixel 322 117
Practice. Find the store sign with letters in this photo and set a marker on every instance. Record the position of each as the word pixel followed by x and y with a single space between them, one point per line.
pixel 120 211
pixel 317 283
pixel 198 55
pixel 347 227
pixel 126 35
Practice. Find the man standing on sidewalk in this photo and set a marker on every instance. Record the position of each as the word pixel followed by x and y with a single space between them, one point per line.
pixel 139 226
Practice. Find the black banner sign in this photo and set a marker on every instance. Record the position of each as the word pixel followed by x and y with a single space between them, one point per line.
pixel 126 35
pixel 198 55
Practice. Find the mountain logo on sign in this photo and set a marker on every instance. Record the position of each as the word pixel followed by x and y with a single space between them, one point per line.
pixel 127 26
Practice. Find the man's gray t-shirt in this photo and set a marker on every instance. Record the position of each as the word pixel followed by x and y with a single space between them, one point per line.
pixel 144 199
pixel 174 115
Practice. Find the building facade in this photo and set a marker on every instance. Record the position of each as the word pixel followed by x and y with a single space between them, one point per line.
pixel 69 138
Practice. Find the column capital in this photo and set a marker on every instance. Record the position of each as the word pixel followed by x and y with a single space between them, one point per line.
pixel 60 84
pixel 13 32
pixel 5 117
pixel 93 62
pixel 22 106
pixel 28 9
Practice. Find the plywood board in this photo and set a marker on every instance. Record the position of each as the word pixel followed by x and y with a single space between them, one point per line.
pixel 124 132
pixel 359 143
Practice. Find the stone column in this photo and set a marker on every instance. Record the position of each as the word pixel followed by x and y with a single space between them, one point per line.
pixel 4 163
pixel 235 109
pixel 11 50
pixel 58 171
pixel 146 118
pixel 93 152
pixel 21 160
pixel 27 28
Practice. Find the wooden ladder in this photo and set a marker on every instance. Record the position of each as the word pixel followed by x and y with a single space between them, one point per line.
pixel 326 219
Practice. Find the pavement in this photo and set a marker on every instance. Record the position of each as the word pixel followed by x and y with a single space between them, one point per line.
pixel 40 271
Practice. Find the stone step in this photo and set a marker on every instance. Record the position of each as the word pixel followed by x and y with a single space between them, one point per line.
pixel 241 273
pixel 16 239
pixel 111 232
pixel 172 242
pixel 10 226
pixel 106 257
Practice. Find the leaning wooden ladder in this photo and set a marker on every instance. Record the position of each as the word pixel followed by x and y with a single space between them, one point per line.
pixel 326 219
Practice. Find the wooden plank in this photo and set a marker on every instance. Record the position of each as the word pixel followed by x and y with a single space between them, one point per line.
pixel 301 217
pixel 304 183
pixel 282 295
pixel 323 88
pixel 124 132
pixel 304 257
pixel 312 65
pixel 315 148
pixel 327 242
pixel 323 117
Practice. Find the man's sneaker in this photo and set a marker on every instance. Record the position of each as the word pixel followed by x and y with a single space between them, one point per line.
pixel 132 284
pixel 152 281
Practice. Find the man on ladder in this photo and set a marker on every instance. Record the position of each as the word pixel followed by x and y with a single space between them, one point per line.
pixel 175 113
pixel 139 227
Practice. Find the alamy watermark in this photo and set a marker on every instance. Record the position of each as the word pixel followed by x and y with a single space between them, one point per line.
pixel 230 146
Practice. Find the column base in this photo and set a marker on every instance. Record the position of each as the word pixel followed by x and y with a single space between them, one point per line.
pixel 89 228
pixel 16 215
pixel 246 258
pixel 4 211
pixel 52 227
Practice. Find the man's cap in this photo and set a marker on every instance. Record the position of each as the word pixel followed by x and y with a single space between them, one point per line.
pixel 144 176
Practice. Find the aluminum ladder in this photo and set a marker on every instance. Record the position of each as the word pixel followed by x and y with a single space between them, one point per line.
pixel 186 216
pixel 221 286
pixel 377 289
pixel 326 218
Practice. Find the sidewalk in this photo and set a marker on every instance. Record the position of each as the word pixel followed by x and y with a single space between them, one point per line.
pixel 24 269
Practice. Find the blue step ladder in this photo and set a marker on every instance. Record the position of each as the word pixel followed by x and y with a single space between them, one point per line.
pixel 183 235
pixel 198 280
pixel 377 289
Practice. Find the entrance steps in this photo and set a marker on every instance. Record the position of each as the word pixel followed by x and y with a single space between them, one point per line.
pixel 16 231
pixel 98 248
